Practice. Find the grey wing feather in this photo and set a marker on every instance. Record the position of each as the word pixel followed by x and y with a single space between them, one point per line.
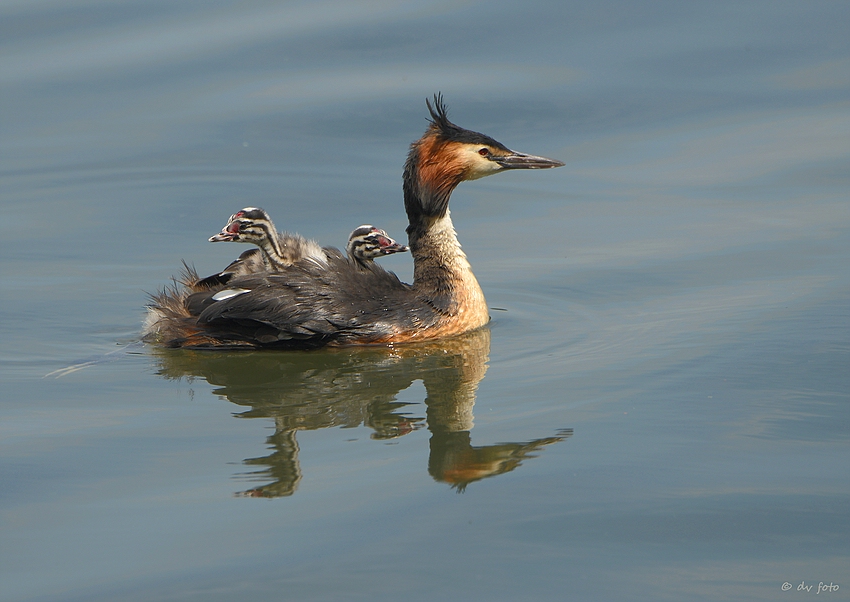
pixel 310 302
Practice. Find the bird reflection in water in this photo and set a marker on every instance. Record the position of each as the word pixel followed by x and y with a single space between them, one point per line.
pixel 349 387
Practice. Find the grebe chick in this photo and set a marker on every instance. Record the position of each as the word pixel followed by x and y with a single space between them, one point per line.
pixel 305 305
pixel 276 250
pixel 367 243
pixel 280 249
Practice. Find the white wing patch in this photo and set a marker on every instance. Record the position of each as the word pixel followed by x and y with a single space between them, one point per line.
pixel 229 293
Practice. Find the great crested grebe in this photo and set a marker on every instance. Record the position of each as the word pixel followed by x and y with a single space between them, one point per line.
pixel 308 305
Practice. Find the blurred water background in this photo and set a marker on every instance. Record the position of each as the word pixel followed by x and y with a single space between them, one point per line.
pixel 659 409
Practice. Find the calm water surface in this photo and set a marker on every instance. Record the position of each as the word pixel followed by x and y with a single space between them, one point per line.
pixel 659 409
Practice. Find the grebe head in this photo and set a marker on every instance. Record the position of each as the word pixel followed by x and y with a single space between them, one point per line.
pixel 448 154
pixel 477 154
pixel 251 225
pixel 368 242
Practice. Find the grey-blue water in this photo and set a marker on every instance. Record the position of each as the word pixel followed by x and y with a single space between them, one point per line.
pixel 659 409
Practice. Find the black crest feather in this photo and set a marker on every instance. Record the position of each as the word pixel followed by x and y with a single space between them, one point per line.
pixel 440 115
pixel 448 130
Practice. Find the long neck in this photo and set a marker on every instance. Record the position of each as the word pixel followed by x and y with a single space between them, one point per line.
pixel 272 246
pixel 272 253
pixel 440 267
pixel 441 271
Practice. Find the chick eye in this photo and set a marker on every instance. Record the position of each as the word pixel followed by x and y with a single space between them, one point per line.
pixel 484 152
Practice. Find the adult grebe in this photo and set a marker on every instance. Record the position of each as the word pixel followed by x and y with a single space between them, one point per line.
pixel 308 305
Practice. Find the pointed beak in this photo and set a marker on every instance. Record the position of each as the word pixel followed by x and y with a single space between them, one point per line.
pixel 229 233
pixel 388 246
pixel 393 248
pixel 522 161
pixel 223 236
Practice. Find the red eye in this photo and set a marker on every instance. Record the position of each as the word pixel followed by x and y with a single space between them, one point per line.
pixel 484 152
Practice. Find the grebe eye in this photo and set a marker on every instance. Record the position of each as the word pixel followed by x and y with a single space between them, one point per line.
pixel 484 152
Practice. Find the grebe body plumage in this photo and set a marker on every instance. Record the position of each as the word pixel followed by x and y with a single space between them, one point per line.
pixel 307 305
